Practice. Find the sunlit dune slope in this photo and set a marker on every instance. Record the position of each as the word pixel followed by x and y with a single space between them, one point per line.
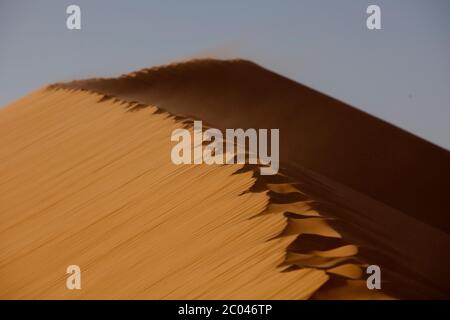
pixel 85 181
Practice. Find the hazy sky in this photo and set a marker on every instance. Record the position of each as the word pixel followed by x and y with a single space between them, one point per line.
pixel 400 73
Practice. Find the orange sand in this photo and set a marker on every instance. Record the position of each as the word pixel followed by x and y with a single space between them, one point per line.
pixel 86 179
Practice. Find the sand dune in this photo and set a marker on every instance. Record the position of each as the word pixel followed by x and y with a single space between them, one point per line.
pixel 86 179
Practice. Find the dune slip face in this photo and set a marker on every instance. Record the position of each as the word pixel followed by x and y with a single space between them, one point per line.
pixel 86 178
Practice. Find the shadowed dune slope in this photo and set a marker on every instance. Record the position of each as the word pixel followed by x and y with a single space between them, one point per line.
pixel 317 132
pixel 84 181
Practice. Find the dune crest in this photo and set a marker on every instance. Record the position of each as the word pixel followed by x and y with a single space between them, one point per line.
pixel 318 132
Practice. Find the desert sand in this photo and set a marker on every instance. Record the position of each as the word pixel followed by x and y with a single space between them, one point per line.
pixel 86 179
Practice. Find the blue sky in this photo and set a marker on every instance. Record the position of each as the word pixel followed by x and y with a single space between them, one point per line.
pixel 400 73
